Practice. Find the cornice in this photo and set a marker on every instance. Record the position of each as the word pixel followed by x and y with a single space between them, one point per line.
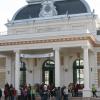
pixel 88 37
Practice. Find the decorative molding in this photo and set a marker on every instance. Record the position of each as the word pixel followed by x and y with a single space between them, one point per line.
pixel 52 40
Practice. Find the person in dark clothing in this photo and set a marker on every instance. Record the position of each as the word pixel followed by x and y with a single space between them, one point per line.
pixel 52 91
pixel 29 92
pixel 25 93
pixel 76 90
pixel 44 93
pixel 58 93
pixel 40 89
pixel 0 93
pixel 11 92
pixel 6 93
pixel 62 93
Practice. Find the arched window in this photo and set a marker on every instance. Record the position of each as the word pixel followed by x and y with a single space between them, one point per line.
pixel 48 71
pixel 78 71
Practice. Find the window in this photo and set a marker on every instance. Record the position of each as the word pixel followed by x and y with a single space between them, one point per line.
pixel 48 71
pixel 98 32
pixel 78 72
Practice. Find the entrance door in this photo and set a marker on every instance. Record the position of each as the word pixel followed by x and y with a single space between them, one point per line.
pixel 48 72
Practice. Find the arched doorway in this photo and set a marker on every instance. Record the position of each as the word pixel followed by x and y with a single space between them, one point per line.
pixel 78 72
pixel 48 72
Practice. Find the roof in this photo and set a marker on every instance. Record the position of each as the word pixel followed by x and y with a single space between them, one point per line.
pixel 62 7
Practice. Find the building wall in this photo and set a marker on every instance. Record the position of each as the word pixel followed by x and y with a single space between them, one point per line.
pixel 76 24
pixel 69 56
pixel 2 72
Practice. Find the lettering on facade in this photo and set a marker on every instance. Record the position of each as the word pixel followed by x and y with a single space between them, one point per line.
pixel 77 26
pixel 48 29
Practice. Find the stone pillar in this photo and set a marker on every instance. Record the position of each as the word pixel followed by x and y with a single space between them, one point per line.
pixel 86 90
pixel 57 67
pixel 95 70
pixel 8 70
pixel 17 70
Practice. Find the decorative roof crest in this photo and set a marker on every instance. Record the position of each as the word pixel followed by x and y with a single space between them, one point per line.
pixel 48 9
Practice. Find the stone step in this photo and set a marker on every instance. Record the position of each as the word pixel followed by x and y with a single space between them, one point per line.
pixel 83 98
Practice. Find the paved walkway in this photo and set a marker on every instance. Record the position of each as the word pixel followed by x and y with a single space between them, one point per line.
pixel 72 98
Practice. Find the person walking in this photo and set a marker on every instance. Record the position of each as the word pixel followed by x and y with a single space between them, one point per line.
pixel 94 90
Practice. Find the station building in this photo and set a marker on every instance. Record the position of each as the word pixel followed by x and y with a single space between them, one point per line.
pixel 52 41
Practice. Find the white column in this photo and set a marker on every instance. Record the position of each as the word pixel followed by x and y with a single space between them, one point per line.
pixel 29 76
pixel 95 70
pixel 8 70
pixel 17 70
pixel 86 90
pixel 57 67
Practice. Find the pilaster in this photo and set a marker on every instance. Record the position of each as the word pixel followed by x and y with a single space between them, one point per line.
pixel 57 67
pixel 86 90
pixel 95 67
pixel 17 69
pixel 8 70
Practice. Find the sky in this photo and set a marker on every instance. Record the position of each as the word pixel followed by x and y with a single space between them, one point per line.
pixel 7 10
pixel 9 7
